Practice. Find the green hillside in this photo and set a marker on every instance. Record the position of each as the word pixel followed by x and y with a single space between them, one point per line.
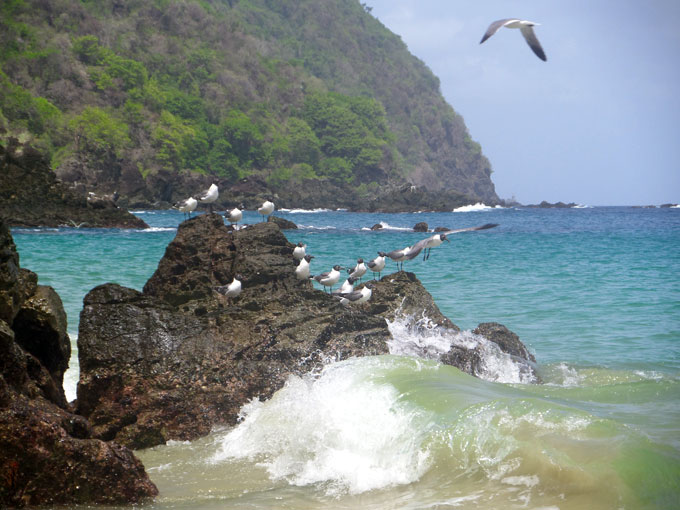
pixel 121 94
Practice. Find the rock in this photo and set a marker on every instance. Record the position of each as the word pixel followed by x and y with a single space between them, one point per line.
pixel 283 223
pixel 556 205
pixel 177 359
pixel 47 454
pixel 507 340
pixel 31 195
pixel 441 229
pixel 420 227
pixel 377 226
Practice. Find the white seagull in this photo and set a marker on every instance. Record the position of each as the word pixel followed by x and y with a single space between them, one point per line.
pixel 399 256
pixel 377 264
pixel 329 278
pixel 187 206
pixel 347 286
pixel 526 27
pixel 359 270
pixel 234 215
pixel 299 251
pixel 302 269
pixel 233 289
pixel 425 244
pixel 355 297
pixel 266 208
pixel 209 196
pixel 437 239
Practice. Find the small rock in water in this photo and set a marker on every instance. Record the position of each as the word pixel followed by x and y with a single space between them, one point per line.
pixel 420 227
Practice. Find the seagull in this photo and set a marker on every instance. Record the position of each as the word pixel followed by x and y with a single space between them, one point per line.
pixel 209 196
pixel 302 270
pixel 329 278
pixel 299 251
pixel 431 242
pixel 233 289
pixel 355 297
pixel 346 287
pixel 234 215
pixel 359 270
pixel 377 264
pixel 399 256
pixel 526 27
pixel 187 206
pixel 425 244
pixel 266 208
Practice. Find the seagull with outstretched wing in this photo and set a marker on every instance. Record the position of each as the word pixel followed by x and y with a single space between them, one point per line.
pixel 527 29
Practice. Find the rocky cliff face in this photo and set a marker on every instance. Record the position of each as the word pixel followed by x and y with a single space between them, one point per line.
pixel 31 196
pixel 178 358
pixel 47 455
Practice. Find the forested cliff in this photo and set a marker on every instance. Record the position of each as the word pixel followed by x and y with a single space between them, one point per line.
pixel 152 97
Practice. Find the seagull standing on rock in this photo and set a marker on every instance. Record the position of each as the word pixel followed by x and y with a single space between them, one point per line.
pixel 329 278
pixel 302 269
pixel 377 264
pixel 266 209
pixel 359 270
pixel 299 251
pixel 187 206
pixel 526 27
pixel 209 196
pixel 356 297
pixel 399 256
pixel 233 289
pixel 234 215
pixel 347 286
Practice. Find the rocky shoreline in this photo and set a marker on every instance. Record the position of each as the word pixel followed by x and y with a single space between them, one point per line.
pixel 32 196
pixel 178 358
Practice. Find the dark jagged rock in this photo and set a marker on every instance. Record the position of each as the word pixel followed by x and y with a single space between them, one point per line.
pixel 547 205
pixel 505 339
pixel 377 226
pixel 420 227
pixel 47 454
pixel 178 358
pixel 283 223
pixel 31 195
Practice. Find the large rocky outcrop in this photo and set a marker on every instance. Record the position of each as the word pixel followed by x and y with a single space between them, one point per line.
pixel 178 358
pixel 47 454
pixel 32 196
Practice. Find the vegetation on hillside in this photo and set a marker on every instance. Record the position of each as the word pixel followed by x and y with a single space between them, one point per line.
pixel 285 89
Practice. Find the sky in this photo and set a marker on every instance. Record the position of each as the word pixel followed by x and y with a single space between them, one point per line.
pixel 597 124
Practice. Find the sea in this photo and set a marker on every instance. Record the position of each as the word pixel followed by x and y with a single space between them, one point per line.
pixel 593 292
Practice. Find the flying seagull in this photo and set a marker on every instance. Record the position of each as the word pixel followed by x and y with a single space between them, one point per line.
pixel 437 239
pixel 526 27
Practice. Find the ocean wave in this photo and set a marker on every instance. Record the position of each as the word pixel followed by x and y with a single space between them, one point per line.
pixel 317 227
pixel 306 211
pixel 339 430
pixel 479 206
pixel 421 337
pixel 387 226
pixel 582 206
pixel 156 229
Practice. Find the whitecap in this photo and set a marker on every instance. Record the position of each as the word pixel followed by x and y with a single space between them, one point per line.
pixel 479 206
pixel 305 211
pixel 339 430
pixel 156 229
pixel 421 337
pixel 387 226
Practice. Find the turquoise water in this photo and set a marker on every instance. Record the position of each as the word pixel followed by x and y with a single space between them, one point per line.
pixel 593 292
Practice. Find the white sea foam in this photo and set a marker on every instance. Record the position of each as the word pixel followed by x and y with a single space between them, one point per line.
pixel 479 206
pixel 582 206
pixel 339 430
pixel 317 227
pixel 305 211
pixel 156 229
pixel 421 337
pixel 387 226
